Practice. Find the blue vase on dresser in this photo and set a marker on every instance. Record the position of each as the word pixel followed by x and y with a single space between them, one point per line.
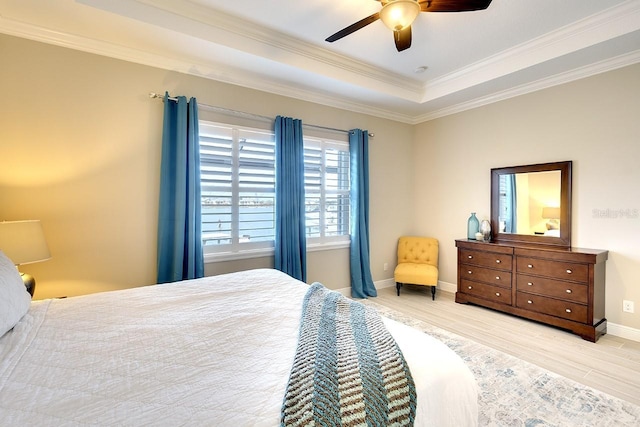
pixel 473 225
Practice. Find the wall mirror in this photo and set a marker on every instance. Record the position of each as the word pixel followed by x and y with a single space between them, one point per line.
pixel 532 204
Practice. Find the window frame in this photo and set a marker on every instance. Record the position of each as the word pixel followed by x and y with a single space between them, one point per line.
pixel 324 239
pixel 244 250
pixel 231 186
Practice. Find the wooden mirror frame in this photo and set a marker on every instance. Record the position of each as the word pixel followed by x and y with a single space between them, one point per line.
pixel 565 204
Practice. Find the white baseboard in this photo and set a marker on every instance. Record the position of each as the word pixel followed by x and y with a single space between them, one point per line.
pixel 344 291
pixel 623 331
pixel 379 285
pixel 388 283
pixel 445 286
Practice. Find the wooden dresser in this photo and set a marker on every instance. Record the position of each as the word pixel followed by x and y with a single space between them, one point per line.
pixel 563 287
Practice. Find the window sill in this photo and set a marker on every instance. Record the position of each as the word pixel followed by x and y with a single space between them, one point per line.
pixel 341 244
pixel 213 257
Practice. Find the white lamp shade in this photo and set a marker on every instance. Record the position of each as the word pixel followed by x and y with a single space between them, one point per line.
pixel 399 14
pixel 23 241
pixel 550 213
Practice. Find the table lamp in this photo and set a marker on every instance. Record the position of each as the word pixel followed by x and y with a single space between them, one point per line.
pixel 553 215
pixel 23 242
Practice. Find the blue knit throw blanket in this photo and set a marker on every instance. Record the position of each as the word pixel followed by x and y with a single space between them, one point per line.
pixel 348 370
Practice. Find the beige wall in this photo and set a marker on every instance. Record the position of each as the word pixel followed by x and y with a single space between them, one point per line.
pixel 80 150
pixel 594 122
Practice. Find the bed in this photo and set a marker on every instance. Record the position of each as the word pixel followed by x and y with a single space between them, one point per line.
pixel 213 351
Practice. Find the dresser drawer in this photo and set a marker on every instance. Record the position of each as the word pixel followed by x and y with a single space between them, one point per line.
pixel 570 291
pixel 487 275
pixel 554 307
pixel 486 259
pixel 555 269
pixel 490 292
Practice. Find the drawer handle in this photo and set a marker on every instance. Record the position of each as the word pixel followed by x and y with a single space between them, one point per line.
pixel 497 294
pixel 469 271
pixel 470 256
pixel 529 284
pixel 529 302
pixel 498 261
pixel 470 287
pixel 497 277
pixel 568 291
pixel 568 310
pixel 569 271
pixel 529 266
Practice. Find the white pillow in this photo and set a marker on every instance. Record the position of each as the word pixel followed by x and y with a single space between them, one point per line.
pixel 14 298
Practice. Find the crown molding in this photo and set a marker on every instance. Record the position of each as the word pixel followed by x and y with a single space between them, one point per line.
pixel 231 31
pixel 214 71
pixel 614 22
pixel 559 79
pixel 618 20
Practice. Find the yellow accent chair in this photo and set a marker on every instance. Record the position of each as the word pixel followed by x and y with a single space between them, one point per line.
pixel 417 263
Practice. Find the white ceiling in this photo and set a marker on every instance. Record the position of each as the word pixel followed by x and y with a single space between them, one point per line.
pixel 473 58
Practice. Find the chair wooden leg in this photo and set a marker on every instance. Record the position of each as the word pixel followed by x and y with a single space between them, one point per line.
pixel 398 287
pixel 433 293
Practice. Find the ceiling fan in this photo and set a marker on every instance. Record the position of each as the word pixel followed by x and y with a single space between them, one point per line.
pixel 398 15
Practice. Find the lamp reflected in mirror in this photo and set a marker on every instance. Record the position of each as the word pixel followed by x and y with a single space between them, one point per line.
pixel 553 216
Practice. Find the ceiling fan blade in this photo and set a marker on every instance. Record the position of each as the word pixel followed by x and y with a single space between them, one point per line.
pixel 353 27
pixel 453 5
pixel 402 39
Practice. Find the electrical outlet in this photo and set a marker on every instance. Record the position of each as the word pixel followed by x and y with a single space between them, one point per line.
pixel 627 306
pixel 385 266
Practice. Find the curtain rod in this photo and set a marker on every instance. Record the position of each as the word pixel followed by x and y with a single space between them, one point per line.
pixel 250 115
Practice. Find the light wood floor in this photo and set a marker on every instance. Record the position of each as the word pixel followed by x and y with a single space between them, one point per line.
pixel 611 365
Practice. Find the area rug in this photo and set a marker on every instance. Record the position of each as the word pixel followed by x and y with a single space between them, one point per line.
pixel 514 392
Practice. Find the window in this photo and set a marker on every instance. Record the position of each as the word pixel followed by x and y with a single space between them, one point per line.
pixel 326 179
pixel 238 189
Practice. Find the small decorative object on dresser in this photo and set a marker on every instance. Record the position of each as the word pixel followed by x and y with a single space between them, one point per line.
pixel 485 230
pixel 563 287
pixel 473 226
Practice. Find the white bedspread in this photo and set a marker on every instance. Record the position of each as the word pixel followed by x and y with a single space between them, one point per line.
pixel 215 351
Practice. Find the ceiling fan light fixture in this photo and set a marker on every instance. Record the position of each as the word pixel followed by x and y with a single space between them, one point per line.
pixel 399 14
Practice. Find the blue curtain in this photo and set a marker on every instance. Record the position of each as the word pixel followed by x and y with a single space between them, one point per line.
pixel 291 240
pixel 361 281
pixel 180 253
pixel 511 203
